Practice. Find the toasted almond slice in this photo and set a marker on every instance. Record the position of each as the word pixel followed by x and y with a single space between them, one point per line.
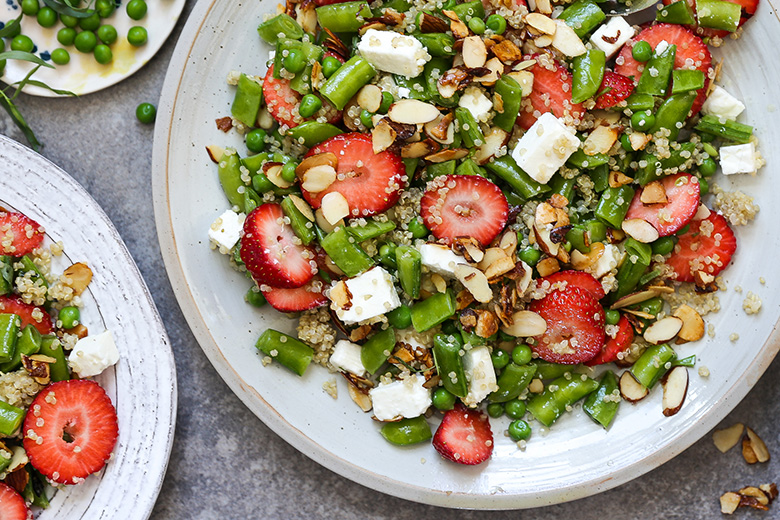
pixel 302 206
pixel 306 16
pixel 600 140
pixel 729 502
pixel 80 331
pixel 618 179
pixel 318 178
pixel 548 266
pixel 340 295
pixel 412 112
pixel 508 243
pixel 770 490
pixel 630 389
pixel 475 281
pixel 545 40
pixel 474 52
pixel 653 193
pixel 77 277
pixel 545 214
pixel 637 297
pixel 641 314
pixel 639 140
pixel 640 230
pixel 458 28
pixel 468 247
pixel 316 75
pixel 758 445
pixel 543 6
pixel 463 299
pixel 747 451
pixel 215 152
pixel 500 267
pixel 542 238
pixel 419 149
pixel 525 78
pixel 702 212
pixel 507 52
pixel 495 139
pixel 675 385
pixel 496 70
pixel 264 119
pixel 492 255
pixel 376 25
pixel 541 23
pixel 432 24
pixel 448 154
pixel 358 396
pixel 663 330
pixel 727 438
pixel 323 223
pixel 274 174
pixel 693 324
pixel 383 135
pixel 526 324
pixel 441 129
pixel 753 491
pixel 319 159
pixel 334 207
pixel 453 80
pixel 567 41
pixel 438 282
pixel 369 97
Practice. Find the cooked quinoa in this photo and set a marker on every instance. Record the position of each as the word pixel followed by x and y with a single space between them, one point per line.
pixel 18 388
pixel 314 328
pixel 751 304
pixel 737 207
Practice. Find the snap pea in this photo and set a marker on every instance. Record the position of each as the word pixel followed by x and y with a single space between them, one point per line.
pixel 280 24
pixel 548 370
pixel 400 317
pixel 469 128
pixel 311 133
pixel 439 169
pixel 301 226
pixel 387 255
pixel 689 361
pixel 673 112
pixel 35 490
pixel 11 418
pixel 679 13
pixel 407 431
pixel 287 350
pixel 587 74
pixel 718 14
pixel 655 168
pixel 247 101
pixel 371 229
pixel 651 365
pixel 728 130
pixel 581 160
pixel 52 347
pixel 684 80
pixel 507 169
pixel 438 45
pixel 346 81
pixel 467 10
pixel 511 94
pixel 6 274
pixel 638 257
pixel 26 267
pixel 649 277
pixel 636 101
pixel 469 167
pixel 655 78
pixel 548 406
pixel 409 263
pixel 432 311
pixel 345 17
pixel 377 349
pixel 400 6
pixel 583 16
pixel 600 177
pixel 562 186
pixel 613 205
pixel 449 363
pixel 583 234
pixel 29 343
pixel 9 331
pixel 345 253
pixel 230 177
pixel 416 86
pixel 512 381
pixel 601 405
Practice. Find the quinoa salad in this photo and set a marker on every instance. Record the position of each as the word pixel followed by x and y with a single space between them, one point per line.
pixel 484 215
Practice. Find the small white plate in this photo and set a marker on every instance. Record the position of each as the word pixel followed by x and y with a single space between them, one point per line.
pixel 142 385
pixel 84 75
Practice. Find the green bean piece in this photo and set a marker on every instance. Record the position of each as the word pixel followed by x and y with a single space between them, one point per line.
pixel 468 10
pixel 254 297
pixel 433 310
pixel 642 51
pixel 400 317
pixel 287 350
pixel 496 23
pixel 438 169
pixel 387 100
pixel 313 132
pixel 602 405
pixel 469 167
pixel 377 349
pixel 655 78
pixel 512 381
pixel 11 418
pixel 548 370
pixel 581 160
pixel 679 13
pixel 345 252
pixel 449 363
pixel 469 128
pixel 651 365
pixel 718 14
pixel 9 335
pixel 280 24
pixel 409 262
pixel 655 168
pixel 247 101
pixel 673 112
pixel 6 274
pixel 728 130
pixel 407 431
pixel 684 80
pixel 548 406
pixel 301 226
pixel 507 169
pixel 637 101
pixel 345 17
pixel 29 343
pixel 511 94
pixel 613 205
pixel 52 347
pixel 438 45
pixel 583 16
pixel 230 177
pixel 563 186
pixel 371 229
pixel 587 74
pixel 346 81
pixel 689 362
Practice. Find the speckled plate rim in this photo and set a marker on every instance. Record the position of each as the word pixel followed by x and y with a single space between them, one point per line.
pixel 142 385
pixel 162 171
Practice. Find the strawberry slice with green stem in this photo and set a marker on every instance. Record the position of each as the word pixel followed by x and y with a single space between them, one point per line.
pixel 707 246
pixel 683 196
pixel 19 234
pixel 551 93
pixel 12 504
pixel 30 314
pixel 464 436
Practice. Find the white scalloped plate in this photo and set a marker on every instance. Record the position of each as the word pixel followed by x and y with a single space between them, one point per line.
pixel 142 385
pixel 577 458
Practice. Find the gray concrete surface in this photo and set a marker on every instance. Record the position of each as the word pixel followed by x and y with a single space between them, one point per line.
pixel 226 463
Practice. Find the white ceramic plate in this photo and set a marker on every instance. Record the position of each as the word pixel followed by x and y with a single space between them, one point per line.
pixel 142 385
pixel 577 458
pixel 84 75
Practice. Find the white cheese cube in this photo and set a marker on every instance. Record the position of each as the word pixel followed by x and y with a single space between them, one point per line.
pixel 407 398
pixel 661 47
pixel 393 52
pixel 93 354
pixel 373 294
pixel 738 158
pixel 611 36
pixel 440 259
pixel 476 102
pixel 607 261
pixel 346 357
pixel 226 230
pixel 722 105
pixel 480 374
pixel 545 147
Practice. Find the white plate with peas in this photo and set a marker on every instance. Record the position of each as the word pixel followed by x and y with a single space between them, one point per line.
pixel 89 49
pixel 576 457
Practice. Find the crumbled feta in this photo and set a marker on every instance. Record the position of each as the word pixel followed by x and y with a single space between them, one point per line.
pixel 545 147
pixel 611 36
pixel 722 105
pixel 475 100
pixel 440 259
pixel 738 158
pixel 346 357
pixel 404 93
pixel 661 47
pixel 411 337
pixel 226 230
pixel 93 354
pixel 392 52
pixel 480 374
pixel 373 294
pixel 407 398
pixel 607 261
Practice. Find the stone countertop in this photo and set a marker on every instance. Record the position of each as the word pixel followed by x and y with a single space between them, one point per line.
pixel 225 462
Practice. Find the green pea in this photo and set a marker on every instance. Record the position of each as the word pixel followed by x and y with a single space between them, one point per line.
pixel 255 140
pixel 499 358
pixel 708 167
pixel 495 410
pixel 612 317
pixel 530 256
pixel 295 61
pixel 443 399
pixel 519 430
pixel 107 34
pixel 137 36
pixel 69 316
pixel 417 228
pixel 387 100
pixel 288 171
pixel 704 187
pixel 103 54
pixel 477 25
pixel 496 23
pixel 105 8
pixel 66 35
pixel 90 23
pixel 47 17
pixel 366 118
pixel 60 56
pixel 22 43
pixel 85 41
pixel 254 297
pixel 521 354
pixel 515 409
pixel 330 64
pixel 146 113
pixel 136 9
pixel 642 51
pixel 625 142
pixel 310 104
pixel 30 7
pixel 642 121
pixel 69 21
pixel 400 317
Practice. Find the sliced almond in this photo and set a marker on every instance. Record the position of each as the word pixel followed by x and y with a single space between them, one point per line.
pixel 542 238
pixel 754 492
pixel 600 140
pixel 582 261
pixel 758 445
pixel 463 299
pixel 412 112
pixel 543 6
pixel 383 136
pixel 340 295
pixel 508 243
pixel 274 174
pixel 727 438
pixel 507 52
pixel 640 230
pixel 702 212
pixel 630 389
pixel 455 79
pixel 302 206
pixel 306 16
pixel 496 69
pixel 618 179
pixel 545 40
pixel 458 28
pixel 525 79
pixel 264 119
pixel 639 140
pixel 526 324
pixel 474 52
pixel 316 75
pixel 448 154
pixel 543 24
pixel 432 24
pixel 77 277
pixel 469 248
pixel 663 330
pixel 334 207
pixel 439 282
pixel 653 193
pixel 567 41
pixel 359 396
pixel 442 129
pixel 495 140
pixel 318 178
pixel 80 331
pixel 548 266
pixel 675 385
pixel 419 149
pixel 316 160
pixel 747 451
pixel 729 502
pixel 693 324
pixel 475 281
pixel 500 267
pixel 376 25
pixel 545 214
pixel 215 152
pixel 487 324
pixel 38 368
pixel 323 223
pixel 369 98
pixel 637 297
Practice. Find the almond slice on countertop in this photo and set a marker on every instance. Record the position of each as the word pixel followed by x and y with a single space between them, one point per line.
pixel 727 438
pixel 369 98
pixel 640 230
pixel 663 330
pixel 541 23
pixel 334 207
pixel 729 502
pixel 327 158
pixel 757 445
pixel 637 297
pixel 753 491
pixel 526 324
pixel 448 154
pixel 653 193
pixel 412 112
pixel 475 281
pixel 474 52
pixel 675 385
pixel 215 152
pixel 630 389
pixel 693 324
pixel 318 178
pixel 77 277
pixel 383 136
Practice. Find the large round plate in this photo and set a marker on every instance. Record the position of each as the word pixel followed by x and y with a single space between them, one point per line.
pixel 577 458
pixel 142 385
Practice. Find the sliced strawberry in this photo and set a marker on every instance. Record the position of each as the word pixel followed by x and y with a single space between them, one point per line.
pixel 615 88
pixel 299 299
pixel 371 183
pixel 12 504
pixel 272 252
pixel 620 343
pixel 70 430
pixel 464 436
pixel 575 326
pixel 283 102
pixel 19 234
pixel 682 193
pixel 707 246
pixel 577 279
pixel 464 206
pixel 551 93
pixel 691 53
pixel 30 314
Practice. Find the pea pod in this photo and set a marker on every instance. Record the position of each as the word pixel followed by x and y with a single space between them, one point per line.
pixel 655 168
pixel 6 274
pixel 345 82
pixel 601 405
pixel 407 431
pixel 438 45
pixel 371 229
pixel 51 346
pixel 548 406
pixel 9 331
pixel 512 381
pixel 280 24
pixel 511 94
pixel 729 130
pixel 29 343
pixel 11 419
pixel 638 257
pixel 613 205
pixel 287 350
pixel 409 262
pixel 377 349
pixel 345 253
pixel 583 16
pixel 672 113
pixel 449 363
pixel 469 128
pixel 587 74
pixel 247 101
pixel 679 12
pixel 718 14
pixel 549 370
pixel 432 311
pixel 651 365
pixel 313 132
pixel 684 80
pixel 507 169
pixel 345 17
pixel 229 173
pixel 468 10
pixel 301 226
pixel 655 78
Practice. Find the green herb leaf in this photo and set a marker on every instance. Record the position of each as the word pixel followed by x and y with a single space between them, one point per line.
pixel 41 84
pixel 19 120
pixel 10 27
pixel 24 56
pixel 67 9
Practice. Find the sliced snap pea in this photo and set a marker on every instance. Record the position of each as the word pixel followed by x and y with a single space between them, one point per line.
pixel 229 173
pixel 407 431
pixel 377 349
pixel 432 311
pixel 469 128
pixel 313 132
pixel 439 169
pixel 344 17
pixel 346 81
pixel 449 363
pixel 563 186
pixel 345 252
pixel 728 130
pixel 400 317
pixel 587 74
pixel 371 229
pixel 301 226
pixel 679 13
pixel 684 80
pixel 548 406
pixel 9 335
pixel 548 370
pixel 613 205
pixel 512 381
pixel 672 113
pixel 511 94
pixel 287 350
pixel 507 169
pixel 583 16
pixel 689 362
pixel 409 262
pixel 601 405
pixel 6 274
pixel 280 24
pixel 655 168
pixel 637 261
pixel 438 45
pixel 469 167
pixel 651 365
pixel 11 418
pixel 579 159
pixel 718 14
pixel 655 78
pixel 29 343
pixel 637 101
pixel 51 346
pixel 468 10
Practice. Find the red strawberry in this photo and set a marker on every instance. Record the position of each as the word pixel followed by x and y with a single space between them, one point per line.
pixel 464 436
pixel 372 182
pixel 682 193
pixel 707 246
pixel 299 299
pixel 464 206
pixel 26 311
pixel 615 89
pixel 621 342
pixel 692 52
pixel 70 430
pixel 19 234
pixel 12 504
pixel 575 326
pixel 551 93
pixel 579 279
pixel 272 253
pixel 283 102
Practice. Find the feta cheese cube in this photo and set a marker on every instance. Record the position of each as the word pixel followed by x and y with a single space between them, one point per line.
pixel 721 104
pixel 226 230
pixel 411 337
pixel 480 374
pixel 611 36
pixel 607 261
pixel 440 259
pixel 475 100
pixel 661 47
pixel 373 294
pixel 346 357
pixel 407 398
pixel 545 147
pixel 738 158
pixel 93 354
pixel 393 52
